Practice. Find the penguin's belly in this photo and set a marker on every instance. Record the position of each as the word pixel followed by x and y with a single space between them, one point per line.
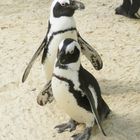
pixel 52 52
pixel 68 103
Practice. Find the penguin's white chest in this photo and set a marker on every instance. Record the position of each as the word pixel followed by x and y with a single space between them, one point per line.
pixel 68 103
pixel 54 44
pixel 52 51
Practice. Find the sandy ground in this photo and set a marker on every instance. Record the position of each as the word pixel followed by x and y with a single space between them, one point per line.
pixel 23 25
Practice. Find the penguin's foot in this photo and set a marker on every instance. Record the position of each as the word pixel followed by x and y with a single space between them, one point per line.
pixel 45 95
pixel 44 99
pixel 83 136
pixel 70 126
pixel 120 11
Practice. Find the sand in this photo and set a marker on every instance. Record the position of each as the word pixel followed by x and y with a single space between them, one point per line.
pixel 23 25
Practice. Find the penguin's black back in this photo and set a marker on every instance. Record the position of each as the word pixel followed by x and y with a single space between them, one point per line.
pixel 87 79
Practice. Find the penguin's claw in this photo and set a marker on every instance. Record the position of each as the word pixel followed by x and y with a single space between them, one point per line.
pixel 120 11
pixel 43 99
pixel 51 98
pixel 45 95
pixel 70 126
pixel 83 136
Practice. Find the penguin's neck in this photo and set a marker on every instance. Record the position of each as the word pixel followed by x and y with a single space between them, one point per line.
pixel 67 73
pixel 74 66
pixel 68 68
pixel 62 23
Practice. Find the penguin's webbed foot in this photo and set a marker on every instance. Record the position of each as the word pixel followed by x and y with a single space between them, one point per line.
pixel 45 95
pixel 121 11
pixel 83 136
pixel 70 126
pixel 44 99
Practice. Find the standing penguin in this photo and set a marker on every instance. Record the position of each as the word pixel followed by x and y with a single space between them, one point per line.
pixel 129 8
pixel 76 91
pixel 61 25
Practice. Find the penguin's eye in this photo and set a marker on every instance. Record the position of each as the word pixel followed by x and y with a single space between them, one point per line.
pixel 72 51
pixel 63 4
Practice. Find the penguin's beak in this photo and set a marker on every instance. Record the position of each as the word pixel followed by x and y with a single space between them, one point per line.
pixel 76 5
pixel 60 58
pixel 61 62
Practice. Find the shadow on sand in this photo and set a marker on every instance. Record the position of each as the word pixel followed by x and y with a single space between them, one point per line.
pixel 117 87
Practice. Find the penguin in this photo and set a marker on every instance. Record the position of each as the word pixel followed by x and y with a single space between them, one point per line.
pixel 76 91
pixel 61 25
pixel 129 8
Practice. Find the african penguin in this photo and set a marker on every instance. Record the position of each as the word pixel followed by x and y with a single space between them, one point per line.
pixel 76 91
pixel 61 25
pixel 129 8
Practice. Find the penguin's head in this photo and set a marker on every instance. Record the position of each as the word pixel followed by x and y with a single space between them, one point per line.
pixel 69 53
pixel 65 7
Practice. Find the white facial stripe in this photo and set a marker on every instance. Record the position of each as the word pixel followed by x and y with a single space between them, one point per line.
pixel 71 47
pixel 61 45
pixel 64 1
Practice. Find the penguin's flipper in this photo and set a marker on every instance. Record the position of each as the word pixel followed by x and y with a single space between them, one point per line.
pixel 89 84
pixel 90 53
pixel 94 110
pixel 45 95
pixel 103 109
pixel 37 53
